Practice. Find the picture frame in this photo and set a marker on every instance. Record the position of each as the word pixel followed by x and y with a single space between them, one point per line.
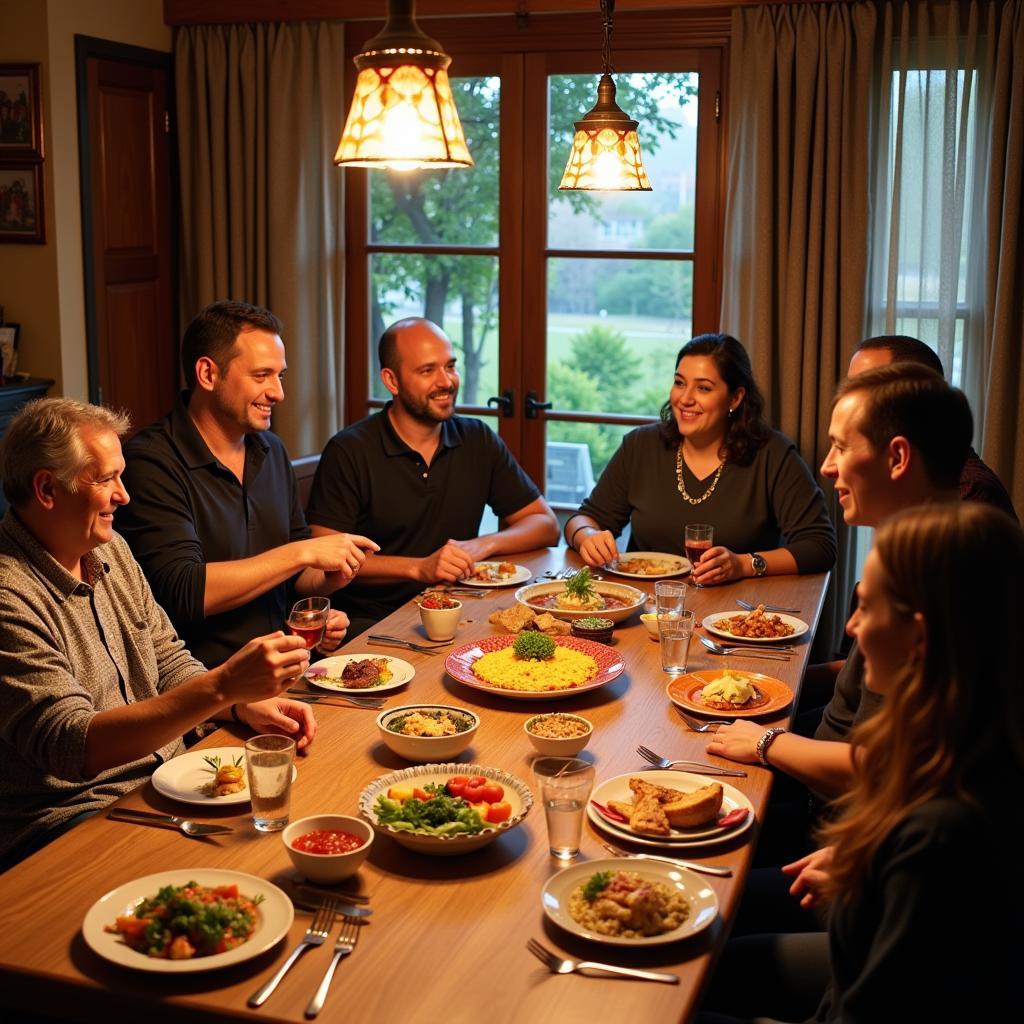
pixel 8 350
pixel 22 206
pixel 21 113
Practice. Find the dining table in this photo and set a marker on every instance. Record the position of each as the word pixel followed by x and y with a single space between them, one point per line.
pixel 447 938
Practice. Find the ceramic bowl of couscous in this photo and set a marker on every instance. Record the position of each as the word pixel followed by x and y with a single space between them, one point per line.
pixel 557 734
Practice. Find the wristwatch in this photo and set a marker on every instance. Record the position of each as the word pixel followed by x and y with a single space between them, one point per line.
pixel 758 564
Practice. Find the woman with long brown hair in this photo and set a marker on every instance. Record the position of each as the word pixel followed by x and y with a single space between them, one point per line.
pixel 925 900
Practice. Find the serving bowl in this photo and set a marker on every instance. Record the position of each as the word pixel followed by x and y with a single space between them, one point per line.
pixel 533 593
pixel 565 746
pixel 650 621
pixel 328 868
pixel 517 793
pixel 427 748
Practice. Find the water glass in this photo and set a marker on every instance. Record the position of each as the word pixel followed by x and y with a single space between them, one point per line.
pixel 674 636
pixel 565 784
pixel 670 598
pixel 268 764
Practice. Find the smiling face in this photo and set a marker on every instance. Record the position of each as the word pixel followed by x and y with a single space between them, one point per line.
pixel 425 382
pixel 252 382
pixel 886 633
pixel 859 472
pixel 701 400
pixel 87 514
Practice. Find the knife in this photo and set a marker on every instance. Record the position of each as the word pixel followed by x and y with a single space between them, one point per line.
pixel 707 869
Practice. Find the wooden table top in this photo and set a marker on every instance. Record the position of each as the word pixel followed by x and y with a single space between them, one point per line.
pixel 447 939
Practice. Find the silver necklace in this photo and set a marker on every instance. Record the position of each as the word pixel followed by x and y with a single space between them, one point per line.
pixel 682 486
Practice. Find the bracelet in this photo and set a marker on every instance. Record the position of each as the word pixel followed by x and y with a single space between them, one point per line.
pixel 766 740
pixel 234 714
pixel 572 539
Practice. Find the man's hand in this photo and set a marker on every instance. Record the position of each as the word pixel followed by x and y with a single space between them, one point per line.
pixel 811 876
pixel 342 553
pixel 446 565
pixel 263 668
pixel 279 715
pixel 737 741
pixel 337 627
pixel 598 548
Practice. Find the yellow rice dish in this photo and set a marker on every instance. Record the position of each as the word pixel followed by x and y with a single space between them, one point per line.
pixel 566 669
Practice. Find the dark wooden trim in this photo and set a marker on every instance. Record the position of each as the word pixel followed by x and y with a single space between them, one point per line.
pixel 87 47
pixel 684 255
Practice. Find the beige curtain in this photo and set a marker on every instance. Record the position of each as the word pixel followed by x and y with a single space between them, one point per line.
pixel 796 240
pixel 949 148
pixel 260 110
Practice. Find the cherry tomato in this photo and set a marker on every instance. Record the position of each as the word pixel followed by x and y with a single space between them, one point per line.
pixel 456 785
pixel 476 789
pixel 493 793
pixel 421 794
pixel 499 812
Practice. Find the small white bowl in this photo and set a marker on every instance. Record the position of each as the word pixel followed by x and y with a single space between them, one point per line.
pixel 568 746
pixel 441 623
pixel 328 868
pixel 650 620
pixel 427 749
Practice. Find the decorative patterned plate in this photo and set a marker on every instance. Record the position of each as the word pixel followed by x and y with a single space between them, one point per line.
pixel 685 691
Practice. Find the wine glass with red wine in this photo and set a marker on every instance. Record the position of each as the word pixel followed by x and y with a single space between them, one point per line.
pixel 308 619
pixel 697 540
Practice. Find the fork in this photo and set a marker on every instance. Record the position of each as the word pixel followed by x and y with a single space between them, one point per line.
pixel 316 934
pixel 699 726
pixel 379 640
pixel 184 825
pixel 663 762
pixel 707 869
pixel 767 654
pixel 748 607
pixel 556 965
pixel 346 942
pixel 367 703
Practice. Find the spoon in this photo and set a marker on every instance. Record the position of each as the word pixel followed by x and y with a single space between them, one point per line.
pixel 743 652
pixel 184 825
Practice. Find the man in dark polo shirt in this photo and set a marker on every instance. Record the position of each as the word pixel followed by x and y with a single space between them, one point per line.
pixel 977 481
pixel 416 478
pixel 215 519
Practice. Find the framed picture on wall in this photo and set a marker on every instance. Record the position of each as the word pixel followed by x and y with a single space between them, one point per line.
pixel 21 202
pixel 21 113
pixel 8 350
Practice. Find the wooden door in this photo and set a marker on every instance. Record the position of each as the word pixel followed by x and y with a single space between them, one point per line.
pixel 127 200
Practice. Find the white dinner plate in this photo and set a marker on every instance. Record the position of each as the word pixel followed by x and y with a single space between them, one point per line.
pixel 183 777
pixel 554 898
pixel 618 789
pixel 799 628
pixel 276 916
pixel 521 575
pixel 659 556
pixel 401 673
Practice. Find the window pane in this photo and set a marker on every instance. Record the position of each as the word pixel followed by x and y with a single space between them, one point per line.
pixel 459 294
pixel 576 456
pixel 614 329
pixel 454 207
pixel 666 107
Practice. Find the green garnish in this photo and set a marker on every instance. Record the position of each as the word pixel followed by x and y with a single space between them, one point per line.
pixel 534 646
pixel 214 763
pixel 593 622
pixel 580 586
pixel 596 884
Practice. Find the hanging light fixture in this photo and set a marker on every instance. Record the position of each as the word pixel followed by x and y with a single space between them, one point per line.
pixel 605 155
pixel 403 114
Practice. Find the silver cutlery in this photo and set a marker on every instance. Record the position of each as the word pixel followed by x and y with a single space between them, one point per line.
pixel 663 762
pixel 345 944
pixel 309 897
pixel 742 652
pixel 184 825
pixel 699 726
pixel 316 934
pixel 748 607
pixel 394 641
pixel 720 870
pixel 340 700
pixel 557 965
pixel 315 894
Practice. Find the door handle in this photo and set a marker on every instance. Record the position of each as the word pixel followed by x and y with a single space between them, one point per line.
pixel 533 407
pixel 505 402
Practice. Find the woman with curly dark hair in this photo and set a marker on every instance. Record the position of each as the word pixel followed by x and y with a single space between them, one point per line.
pixel 712 459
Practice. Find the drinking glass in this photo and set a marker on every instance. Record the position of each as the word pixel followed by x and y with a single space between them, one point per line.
pixel 670 598
pixel 697 539
pixel 308 619
pixel 674 636
pixel 565 784
pixel 268 764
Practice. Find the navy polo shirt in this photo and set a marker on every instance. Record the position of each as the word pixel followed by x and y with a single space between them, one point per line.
pixel 371 482
pixel 187 508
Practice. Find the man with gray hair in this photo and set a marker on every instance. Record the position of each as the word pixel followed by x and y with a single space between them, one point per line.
pixel 96 689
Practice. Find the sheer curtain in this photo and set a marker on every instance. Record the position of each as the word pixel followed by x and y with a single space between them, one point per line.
pixel 260 110
pixel 946 190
